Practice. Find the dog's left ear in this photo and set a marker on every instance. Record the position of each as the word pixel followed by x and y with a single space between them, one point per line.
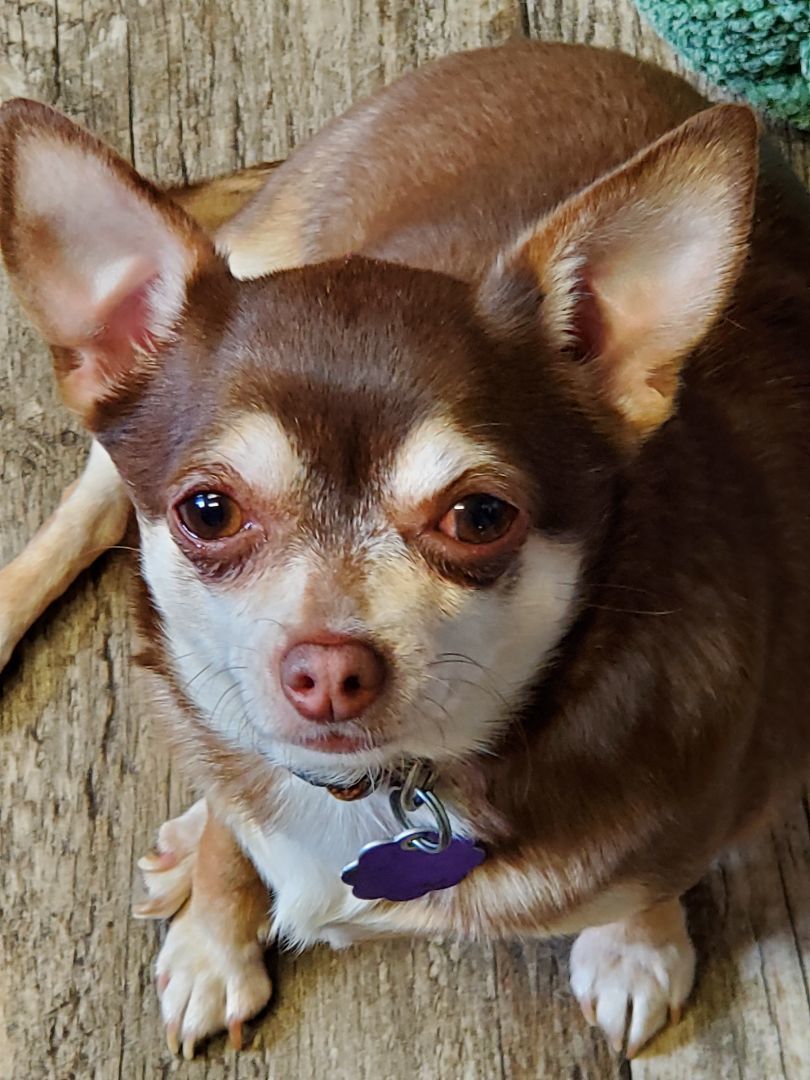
pixel 100 259
pixel 626 277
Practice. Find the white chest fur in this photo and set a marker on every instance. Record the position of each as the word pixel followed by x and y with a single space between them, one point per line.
pixel 301 856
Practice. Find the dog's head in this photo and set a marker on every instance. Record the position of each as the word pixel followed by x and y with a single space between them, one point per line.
pixel 367 493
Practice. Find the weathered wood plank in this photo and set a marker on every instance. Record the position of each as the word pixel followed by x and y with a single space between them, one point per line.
pixel 187 89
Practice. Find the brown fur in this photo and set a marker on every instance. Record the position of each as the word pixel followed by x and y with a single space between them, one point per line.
pixel 222 888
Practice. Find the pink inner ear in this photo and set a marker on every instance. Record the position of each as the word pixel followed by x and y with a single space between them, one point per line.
pixel 126 325
pixel 108 354
pixel 587 324
pixel 125 328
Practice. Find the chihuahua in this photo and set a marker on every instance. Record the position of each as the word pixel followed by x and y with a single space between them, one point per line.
pixel 471 465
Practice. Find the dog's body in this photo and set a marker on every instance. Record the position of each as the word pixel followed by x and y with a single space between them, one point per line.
pixel 610 685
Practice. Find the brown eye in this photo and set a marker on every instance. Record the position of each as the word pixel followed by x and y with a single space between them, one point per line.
pixel 478 519
pixel 210 515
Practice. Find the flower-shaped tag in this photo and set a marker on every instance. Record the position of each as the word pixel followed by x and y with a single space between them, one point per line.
pixel 397 870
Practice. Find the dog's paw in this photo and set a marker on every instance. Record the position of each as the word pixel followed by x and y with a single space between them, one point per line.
pixel 206 986
pixel 167 870
pixel 631 977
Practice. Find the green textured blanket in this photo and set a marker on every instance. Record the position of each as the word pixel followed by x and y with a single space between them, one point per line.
pixel 757 48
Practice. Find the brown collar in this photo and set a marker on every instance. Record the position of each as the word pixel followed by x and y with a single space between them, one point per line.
pixel 360 789
pixel 346 792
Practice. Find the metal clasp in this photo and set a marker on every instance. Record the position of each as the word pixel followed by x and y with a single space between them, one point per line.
pixel 416 792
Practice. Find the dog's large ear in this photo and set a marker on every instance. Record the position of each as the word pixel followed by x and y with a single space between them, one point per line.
pixel 630 274
pixel 100 259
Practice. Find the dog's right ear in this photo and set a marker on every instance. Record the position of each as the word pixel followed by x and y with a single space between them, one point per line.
pixel 625 278
pixel 99 258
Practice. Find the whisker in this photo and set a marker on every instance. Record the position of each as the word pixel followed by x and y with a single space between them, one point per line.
pixel 491 691
pixel 608 585
pixel 628 611
pixel 199 673
pixel 440 730
pixel 273 622
pixel 245 718
pixel 241 723
pixel 216 674
pixel 462 658
pixel 223 696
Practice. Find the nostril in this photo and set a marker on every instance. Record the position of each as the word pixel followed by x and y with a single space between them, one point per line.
pixel 351 684
pixel 300 682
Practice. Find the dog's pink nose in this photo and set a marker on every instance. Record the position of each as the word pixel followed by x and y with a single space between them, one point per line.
pixel 332 682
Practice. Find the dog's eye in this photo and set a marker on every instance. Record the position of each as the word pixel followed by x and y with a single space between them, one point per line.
pixel 210 515
pixel 478 519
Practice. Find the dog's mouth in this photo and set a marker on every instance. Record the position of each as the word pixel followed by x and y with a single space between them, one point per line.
pixel 347 737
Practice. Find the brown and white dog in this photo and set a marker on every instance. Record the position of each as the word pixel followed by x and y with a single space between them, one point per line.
pixel 480 437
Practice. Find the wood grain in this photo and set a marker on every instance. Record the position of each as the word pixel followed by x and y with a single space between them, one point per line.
pixel 186 89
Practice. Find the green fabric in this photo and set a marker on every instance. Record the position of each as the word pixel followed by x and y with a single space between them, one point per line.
pixel 759 49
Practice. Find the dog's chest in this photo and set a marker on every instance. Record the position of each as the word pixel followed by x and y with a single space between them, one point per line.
pixel 301 856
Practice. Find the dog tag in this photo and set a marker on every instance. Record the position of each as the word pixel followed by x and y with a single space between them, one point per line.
pixel 398 870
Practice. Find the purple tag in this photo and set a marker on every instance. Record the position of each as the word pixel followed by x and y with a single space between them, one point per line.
pixel 394 870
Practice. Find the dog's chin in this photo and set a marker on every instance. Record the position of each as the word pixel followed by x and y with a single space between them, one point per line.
pixel 344 758
pixel 339 754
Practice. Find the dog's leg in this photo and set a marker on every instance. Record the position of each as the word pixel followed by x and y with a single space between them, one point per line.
pixel 631 976
pixel 91 517
pixel 210 972
pixel 214 202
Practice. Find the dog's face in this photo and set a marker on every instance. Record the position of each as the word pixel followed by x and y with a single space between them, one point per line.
pixel 367 493
pixel 362 544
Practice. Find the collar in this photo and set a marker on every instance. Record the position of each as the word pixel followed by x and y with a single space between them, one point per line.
pixel 415 773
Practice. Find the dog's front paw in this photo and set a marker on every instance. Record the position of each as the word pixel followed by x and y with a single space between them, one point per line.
pixel 630 977
pixel 207 985
pixel 167 870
